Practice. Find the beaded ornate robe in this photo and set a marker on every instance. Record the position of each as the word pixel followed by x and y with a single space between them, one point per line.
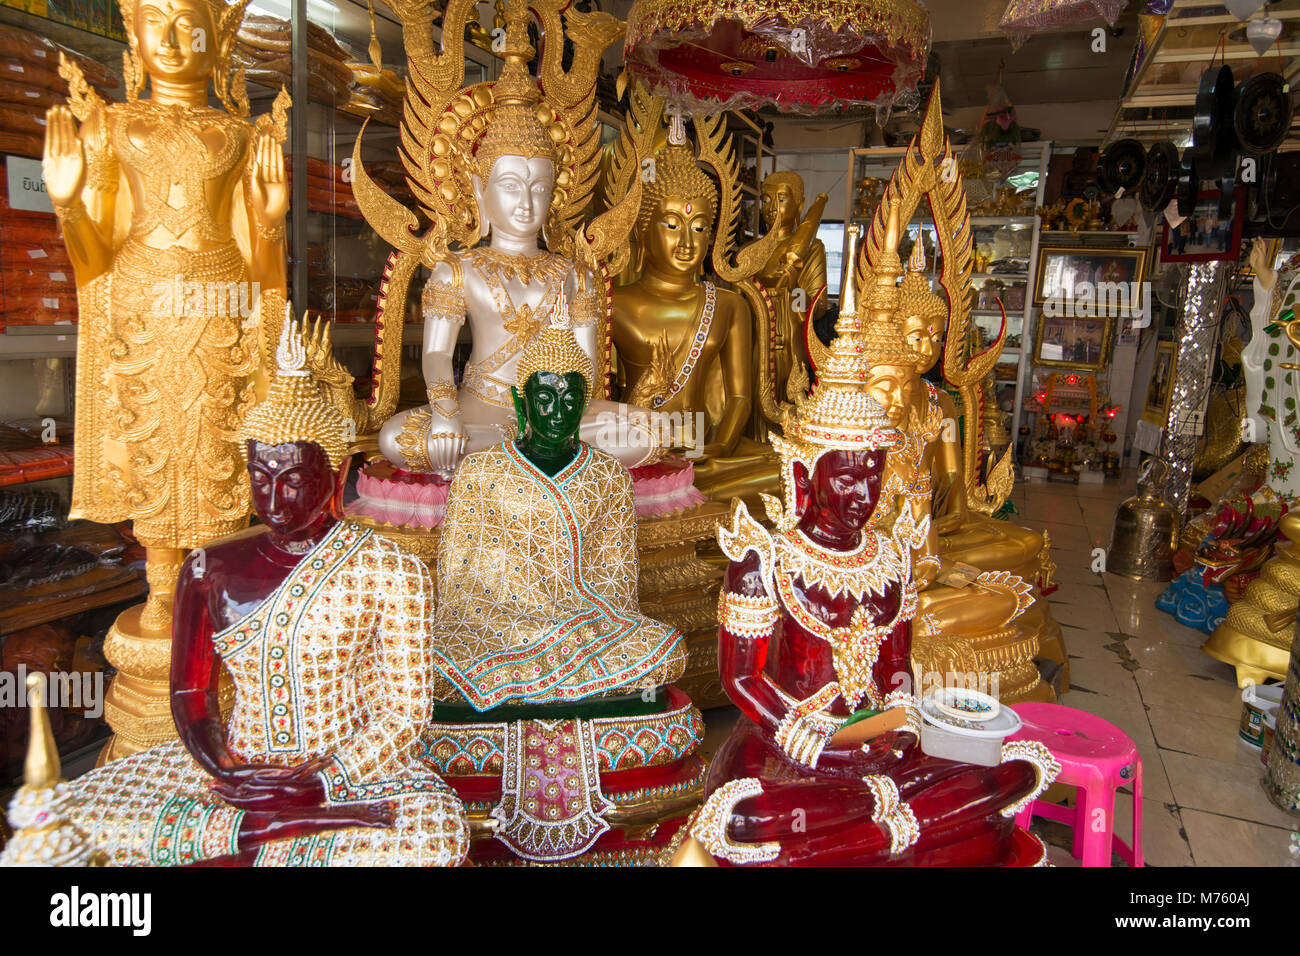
pixel 336 661
pixel 537 580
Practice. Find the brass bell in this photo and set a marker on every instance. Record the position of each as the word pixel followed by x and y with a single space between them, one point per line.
pixel 1142 538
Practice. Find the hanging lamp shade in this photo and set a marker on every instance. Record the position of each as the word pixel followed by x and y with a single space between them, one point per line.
pixel 806 56
pixel 1025 17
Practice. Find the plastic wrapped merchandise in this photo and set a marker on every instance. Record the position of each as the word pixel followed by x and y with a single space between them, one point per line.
pixel 806 56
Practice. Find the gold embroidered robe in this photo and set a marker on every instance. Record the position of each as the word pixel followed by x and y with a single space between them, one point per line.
pixel 537 580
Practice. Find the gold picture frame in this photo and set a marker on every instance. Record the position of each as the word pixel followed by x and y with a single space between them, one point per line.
pixel 1079 342
pixel 1160 387
pixel 1061 266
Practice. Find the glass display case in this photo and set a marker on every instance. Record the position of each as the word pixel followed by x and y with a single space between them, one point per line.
pixel 1005 249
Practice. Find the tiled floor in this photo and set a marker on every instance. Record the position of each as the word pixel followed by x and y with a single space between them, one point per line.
pixel 1144 672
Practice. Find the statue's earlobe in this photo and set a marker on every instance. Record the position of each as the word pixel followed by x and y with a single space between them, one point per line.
pixel 521 413
pixel 484 225
pixel 802 487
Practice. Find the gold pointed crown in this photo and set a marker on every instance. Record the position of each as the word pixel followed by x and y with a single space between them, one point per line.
pixel 884 339
pixel 676 173
pixel 555 349
pixel 521 124
pixel 916 297
pixel 294 409
pixel 839 413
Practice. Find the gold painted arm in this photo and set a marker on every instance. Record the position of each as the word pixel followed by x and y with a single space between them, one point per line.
pixel 737 356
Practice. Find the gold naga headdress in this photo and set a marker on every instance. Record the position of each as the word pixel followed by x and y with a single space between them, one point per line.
pixel 294 409
pixel 226 19
pixel 839 413
pixel 555 349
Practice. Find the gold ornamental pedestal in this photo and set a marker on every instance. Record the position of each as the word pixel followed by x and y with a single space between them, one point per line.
pixel 138 703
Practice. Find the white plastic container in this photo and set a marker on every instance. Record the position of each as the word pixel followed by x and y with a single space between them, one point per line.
pixel 1257 702
pixel 976 740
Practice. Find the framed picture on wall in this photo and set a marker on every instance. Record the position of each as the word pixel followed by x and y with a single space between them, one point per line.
pixel 1205 235
pixel 1156 407
pixel 1089 280
pixel 1074 342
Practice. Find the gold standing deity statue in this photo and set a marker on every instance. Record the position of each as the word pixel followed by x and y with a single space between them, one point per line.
pixel 677 334
pixel 794 276
pixel 983 618
pixel 166 355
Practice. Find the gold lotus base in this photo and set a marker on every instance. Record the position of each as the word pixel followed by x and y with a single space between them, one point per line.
pixel 1003 661
pixel 138 703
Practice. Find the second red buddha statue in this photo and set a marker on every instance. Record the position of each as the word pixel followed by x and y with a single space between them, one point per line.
pixel 825 766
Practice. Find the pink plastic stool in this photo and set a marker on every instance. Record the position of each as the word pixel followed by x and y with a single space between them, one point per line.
pixel 1098 758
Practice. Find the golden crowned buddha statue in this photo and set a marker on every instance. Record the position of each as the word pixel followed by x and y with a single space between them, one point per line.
pixel 983 619
pixel 546 665
pixel 685 344
pixel 166 356
pixel 1255 637
pixel 794 274
pixel 511 162
pixel 325 629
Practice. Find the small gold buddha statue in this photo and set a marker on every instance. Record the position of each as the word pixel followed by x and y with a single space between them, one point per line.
pixel 679 335
pixel 166 357
pixel 795 272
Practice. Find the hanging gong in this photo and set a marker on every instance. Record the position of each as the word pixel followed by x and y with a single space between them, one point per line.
pixel 1261 114
pixel 1123 163
pixel 1213 137
pixel 1161 177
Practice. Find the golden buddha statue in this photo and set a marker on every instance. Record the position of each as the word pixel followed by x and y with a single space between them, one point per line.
pixel 166 356
pixel 1255 637
pixel 983 619
pixel 677 334
pixel 794 274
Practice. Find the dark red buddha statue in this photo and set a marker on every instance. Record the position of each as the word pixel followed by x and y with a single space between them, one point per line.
pixel 324 628
pixel 825 766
